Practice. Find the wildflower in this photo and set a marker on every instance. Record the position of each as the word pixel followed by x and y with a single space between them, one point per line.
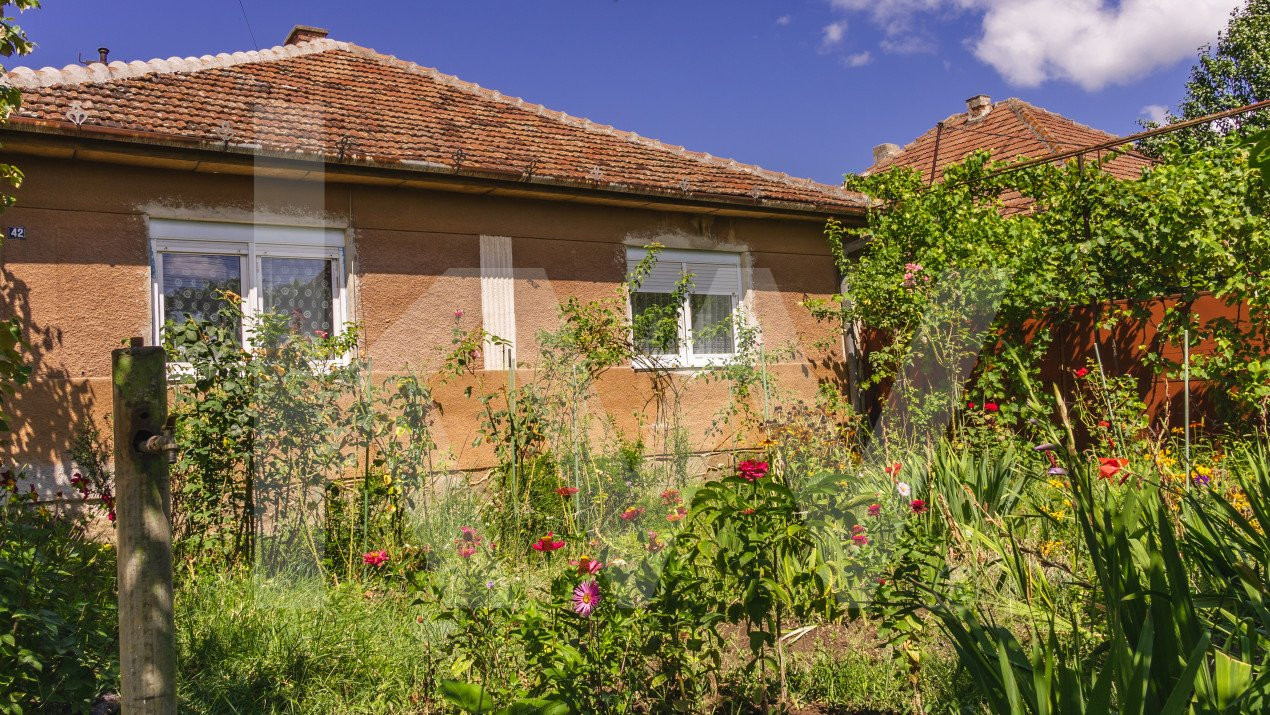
pixel 1056 472
pixel 893 470
pixel 458 314
pixel 489 584
pixel 1081 372
pixel 566 491
pixel 747 511
pixel 585 598
pixel 373 558
pixel 752 470
pixel 465 551
pixel 1104 424
pixel 677 515
pixel 1201 478
pixel 874 509
pixel 587 565
pixel 632 513
pixel 670 496
pixel 548 543
pixel 655 544
pixel 903 489
pixel 860 540
pixel 918 506
pixel 990 407
pixel 971 405
pixel 1109 467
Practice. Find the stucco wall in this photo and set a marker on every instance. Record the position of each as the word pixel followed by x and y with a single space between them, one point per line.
pixel 81 281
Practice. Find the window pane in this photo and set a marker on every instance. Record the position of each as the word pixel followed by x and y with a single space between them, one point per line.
pixel 299 288
pixel 712 324
pixel 656 322
pixel 192 284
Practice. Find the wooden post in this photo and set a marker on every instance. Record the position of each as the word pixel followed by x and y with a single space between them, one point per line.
pixel 143 528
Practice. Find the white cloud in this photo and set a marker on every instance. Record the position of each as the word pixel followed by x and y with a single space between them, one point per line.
pixel 832 35
pixel 1157 113
pixel 858 59
pixel 1092 43
pixel 783 20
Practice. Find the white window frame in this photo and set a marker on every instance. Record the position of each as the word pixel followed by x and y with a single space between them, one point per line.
pixel 251 243
pixel 686 357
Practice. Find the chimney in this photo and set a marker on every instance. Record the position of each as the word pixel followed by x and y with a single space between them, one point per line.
pixel 104 53
pixel 978 106
pixel 304 33
pixel 882 152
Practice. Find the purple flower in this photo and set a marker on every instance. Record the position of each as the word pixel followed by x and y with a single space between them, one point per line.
pixel 585 598
pixel 1046 447
pixel 1056 472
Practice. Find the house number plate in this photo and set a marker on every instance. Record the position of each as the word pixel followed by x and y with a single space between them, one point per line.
pixel 15 233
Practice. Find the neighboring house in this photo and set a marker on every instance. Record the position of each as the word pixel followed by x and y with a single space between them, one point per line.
pixel 327 180
pixel 1010 129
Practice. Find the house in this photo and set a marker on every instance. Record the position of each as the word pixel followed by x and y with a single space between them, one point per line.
pixel 395 196
pixel 1010 129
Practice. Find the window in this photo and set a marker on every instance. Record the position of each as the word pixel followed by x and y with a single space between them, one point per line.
pixel 701 330
pixel 291 271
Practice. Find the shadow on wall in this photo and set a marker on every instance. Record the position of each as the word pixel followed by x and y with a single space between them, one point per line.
pixel 45 411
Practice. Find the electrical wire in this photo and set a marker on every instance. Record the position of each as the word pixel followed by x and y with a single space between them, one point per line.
pixel 247 20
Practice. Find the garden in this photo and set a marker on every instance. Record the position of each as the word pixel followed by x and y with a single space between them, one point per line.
pixel 983 528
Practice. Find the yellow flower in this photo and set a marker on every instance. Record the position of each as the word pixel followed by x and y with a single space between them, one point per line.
pixel 1049 547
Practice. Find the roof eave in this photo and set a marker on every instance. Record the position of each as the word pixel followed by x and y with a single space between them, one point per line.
pixel 111 145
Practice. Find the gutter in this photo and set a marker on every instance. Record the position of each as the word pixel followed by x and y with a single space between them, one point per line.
pixel 129 147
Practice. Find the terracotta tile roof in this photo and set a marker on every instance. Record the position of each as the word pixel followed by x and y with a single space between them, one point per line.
pixel 1012 129
pixel 351 103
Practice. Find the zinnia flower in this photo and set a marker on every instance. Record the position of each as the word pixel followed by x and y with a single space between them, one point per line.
pixel 548 543
pixel 1104 424
pixel 655 544
pixel 585 598
pixel 857 529
pixel 874 509
pixel 990 407
pixel 632 513
pixel 670 496
pixel 970 405
pixel 860 540
pixel 587 565
pixel 465 551
pixel 1109 467
pixel 918 506
pixel 566 491
pixel 751 470
pixel 677 514
pixel 747 511
pixel 903 489
pixel 375 558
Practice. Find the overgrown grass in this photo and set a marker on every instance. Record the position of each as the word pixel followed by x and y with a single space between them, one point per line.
pixel 288 645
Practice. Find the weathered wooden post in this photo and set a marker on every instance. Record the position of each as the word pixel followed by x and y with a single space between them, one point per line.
pixel 143 529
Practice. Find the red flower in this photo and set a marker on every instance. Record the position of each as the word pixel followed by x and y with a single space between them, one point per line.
pixel 654 544
pixel 677 515
pixel 1104 424
pixel 990 407
pixel 919 506
pixel 752 470
pixel 874 509
pixel 587 565
pixel 857 529
pixel 375 558
pixel 670 496
pixel 970 405
pixel 1081 372
pixel 567 491
pixel 632 513
pixel 548 543
pixel 747 511
pixel 465 551
pixel 893 469
pixel 860 540
pixel 1109 467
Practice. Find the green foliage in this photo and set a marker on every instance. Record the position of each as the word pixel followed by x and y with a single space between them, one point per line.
pixel 59 642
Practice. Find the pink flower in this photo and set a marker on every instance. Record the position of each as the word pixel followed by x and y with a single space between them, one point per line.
pixel 585 598
pixel 752 470
pixel 677 515
pixel 918 506
pixel 874 509
pixel 548 543
pixel 566 491
pixel 970 405
pixel 632 513
pixel 322 334
pixel 990 407
pixel 587 565
pixel 860 540
pixel 458 314
pixel 670 496
pixel 375 558
pixel 465 552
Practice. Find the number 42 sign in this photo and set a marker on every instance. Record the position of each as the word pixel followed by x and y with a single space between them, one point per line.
pixel 15 233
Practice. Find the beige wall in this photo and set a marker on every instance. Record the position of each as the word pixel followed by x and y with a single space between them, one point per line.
pixel 80 280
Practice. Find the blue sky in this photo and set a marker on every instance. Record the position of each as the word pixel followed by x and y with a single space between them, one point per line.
pixel 802 86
